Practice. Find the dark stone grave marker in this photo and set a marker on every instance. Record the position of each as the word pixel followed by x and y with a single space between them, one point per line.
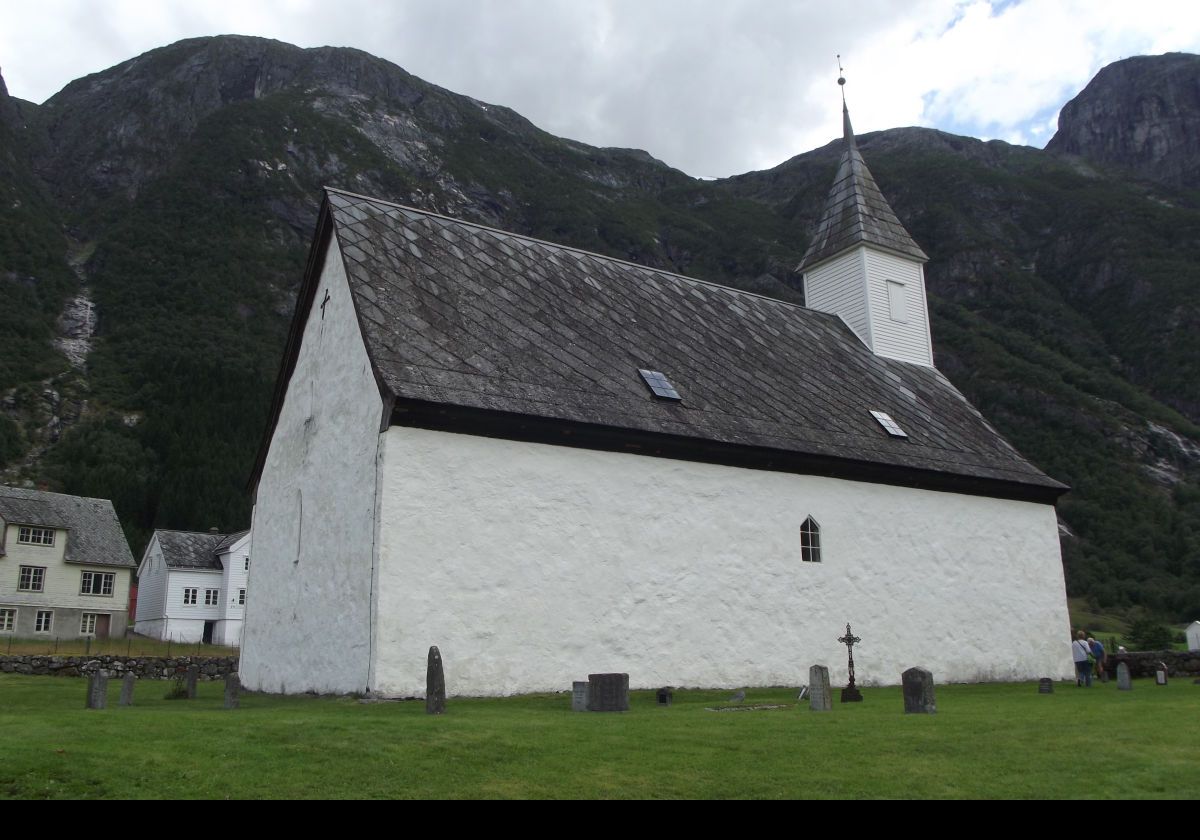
pixel 193 674
pixel 918 692
pixel 435 683
pixel 608 692
pixel 1045 686
pixel 664 696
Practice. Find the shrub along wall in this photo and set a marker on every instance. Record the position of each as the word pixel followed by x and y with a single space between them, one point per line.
pixel 144 667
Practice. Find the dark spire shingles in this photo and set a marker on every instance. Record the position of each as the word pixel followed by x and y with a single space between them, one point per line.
pixel 856 212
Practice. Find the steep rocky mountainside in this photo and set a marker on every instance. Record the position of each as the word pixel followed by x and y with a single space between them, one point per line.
pixel 1139 113
pixel 157 216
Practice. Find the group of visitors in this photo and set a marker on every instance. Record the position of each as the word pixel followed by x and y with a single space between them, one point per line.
pixel 1090 658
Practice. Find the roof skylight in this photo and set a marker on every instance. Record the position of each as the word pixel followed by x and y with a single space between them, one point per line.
pixel 659 384
pixel 889 425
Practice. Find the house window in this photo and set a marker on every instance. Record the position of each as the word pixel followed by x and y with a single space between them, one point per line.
pixel 241 597
pixel 897 301
pixel 8 621
pixel 97 583
pixel 32 579
pixel 45 621
pixel 35 536
pixel 211 597
pixel 247 563
pixel 810 541
pixel 189 597
pixel 87 626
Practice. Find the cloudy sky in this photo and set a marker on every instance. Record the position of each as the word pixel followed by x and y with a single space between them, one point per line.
pixel 713 87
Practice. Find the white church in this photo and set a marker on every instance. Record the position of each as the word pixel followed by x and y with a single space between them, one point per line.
pixel 551 463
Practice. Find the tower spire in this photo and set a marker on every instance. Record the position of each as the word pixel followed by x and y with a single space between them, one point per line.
pixel 847 129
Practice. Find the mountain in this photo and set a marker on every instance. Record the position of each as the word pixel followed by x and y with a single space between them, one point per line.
pixel 158 214
pixel 1141 114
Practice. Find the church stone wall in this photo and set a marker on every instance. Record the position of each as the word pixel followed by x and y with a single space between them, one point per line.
pixel 308 611
pixel 531 566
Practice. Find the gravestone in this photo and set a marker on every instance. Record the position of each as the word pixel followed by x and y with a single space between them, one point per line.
pixel 193 674
pixel 233 687
pixel 1192 634
pixel 1045 686
pixel 435 683
pixel 1123 681
pixel 97 690
pixel 127 685
pixel 579 696
pixel 918 692
pixel 738 697
pixel 608 692
pixel 664 696
pixel 820 698
pixel 1160 673
pixel 850 694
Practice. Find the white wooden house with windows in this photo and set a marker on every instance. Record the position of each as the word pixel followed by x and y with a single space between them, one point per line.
pixel 65 566
pixel 192 587
pixel 551 463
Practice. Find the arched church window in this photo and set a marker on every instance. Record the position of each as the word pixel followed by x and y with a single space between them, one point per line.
pixel 810 541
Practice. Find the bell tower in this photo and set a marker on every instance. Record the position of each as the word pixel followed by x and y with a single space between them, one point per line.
pixel 864 266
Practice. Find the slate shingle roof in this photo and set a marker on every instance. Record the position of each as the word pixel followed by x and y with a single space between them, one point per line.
pixel 94 534
pixel 856 212
pixel 463 315
pixel 190 549
pixel 229 540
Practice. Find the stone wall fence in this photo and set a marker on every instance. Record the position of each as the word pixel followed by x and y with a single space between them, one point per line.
pixel 1143 663
pixel 143 667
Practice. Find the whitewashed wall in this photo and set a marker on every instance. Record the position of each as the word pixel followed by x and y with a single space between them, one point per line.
pixel 308 618
pixel 907 340
pixel 532 565
pixel 840 287
pixel 233 579
pixel 152 591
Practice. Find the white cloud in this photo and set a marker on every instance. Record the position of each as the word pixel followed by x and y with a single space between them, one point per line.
pixel 711 87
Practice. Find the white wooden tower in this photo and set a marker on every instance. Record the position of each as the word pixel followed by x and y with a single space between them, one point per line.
pixel 864 266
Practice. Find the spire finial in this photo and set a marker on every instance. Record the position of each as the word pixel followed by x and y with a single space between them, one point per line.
pixel 847 130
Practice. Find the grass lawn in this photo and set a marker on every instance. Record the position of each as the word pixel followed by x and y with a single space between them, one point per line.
pixel 987 741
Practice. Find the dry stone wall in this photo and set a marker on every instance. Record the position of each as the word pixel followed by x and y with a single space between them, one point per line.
pixel 143 667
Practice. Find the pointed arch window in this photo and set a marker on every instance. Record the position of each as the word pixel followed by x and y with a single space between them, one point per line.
pixel 810 541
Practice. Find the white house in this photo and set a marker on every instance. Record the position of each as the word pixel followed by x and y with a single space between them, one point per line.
pixel 65 566
pixel 551 463
pixel 192 587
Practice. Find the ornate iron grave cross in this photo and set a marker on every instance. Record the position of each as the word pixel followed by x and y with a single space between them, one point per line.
pixel 850 694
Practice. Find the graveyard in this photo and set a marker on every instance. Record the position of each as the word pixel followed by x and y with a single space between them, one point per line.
pixel 985 741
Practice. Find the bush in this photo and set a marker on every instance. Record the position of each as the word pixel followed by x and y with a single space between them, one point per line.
pixel 1147 634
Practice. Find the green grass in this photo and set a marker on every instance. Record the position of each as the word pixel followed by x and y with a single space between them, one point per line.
pixel 987 741
pixel 129 646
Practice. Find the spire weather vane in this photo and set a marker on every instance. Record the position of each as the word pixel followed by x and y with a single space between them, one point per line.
pixel 841 78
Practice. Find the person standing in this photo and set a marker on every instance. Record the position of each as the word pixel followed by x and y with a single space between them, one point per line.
pixel 1083 665
pixel 1101 657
